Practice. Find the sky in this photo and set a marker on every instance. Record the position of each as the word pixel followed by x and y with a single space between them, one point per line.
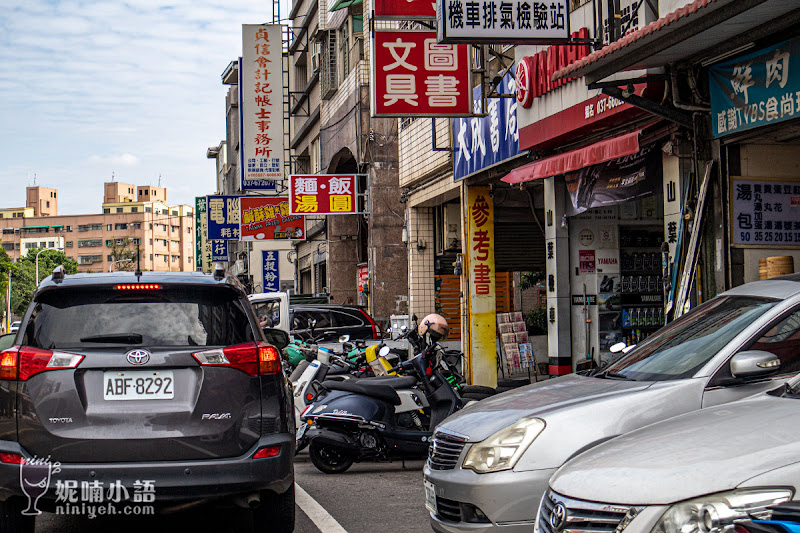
pixel 91 89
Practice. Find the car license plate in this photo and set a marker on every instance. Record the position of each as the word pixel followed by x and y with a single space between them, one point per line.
pixel 139 385
pixel 430 496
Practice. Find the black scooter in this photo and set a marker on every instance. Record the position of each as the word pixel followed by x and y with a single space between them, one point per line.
pixel 381 418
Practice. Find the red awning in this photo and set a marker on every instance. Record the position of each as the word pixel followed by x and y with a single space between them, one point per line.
pixel 599 152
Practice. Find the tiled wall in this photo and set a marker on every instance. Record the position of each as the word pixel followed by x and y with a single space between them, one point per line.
pixel 421 262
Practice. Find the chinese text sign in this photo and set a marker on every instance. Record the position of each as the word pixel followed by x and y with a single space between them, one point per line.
pixel 222 217
pixel 260 106
pixel 414 75
pixel 502 21
pixel 765 212
pixel 202 246
pixel 481 142
pixel 219 250
pixel 756 89
pixel 268 218
pixel 405 8
pixel 270 265
pixel 323 194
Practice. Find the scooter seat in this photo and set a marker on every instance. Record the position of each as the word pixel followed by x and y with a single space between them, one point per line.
pixel 373 388
pixel 336 370
pixel 395 382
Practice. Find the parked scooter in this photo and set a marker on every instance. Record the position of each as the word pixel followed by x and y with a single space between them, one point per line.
pixel 382 418
pixel 785 519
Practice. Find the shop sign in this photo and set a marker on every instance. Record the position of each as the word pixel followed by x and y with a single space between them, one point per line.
pixel 503 21
pixel 534 73
pixel 405 9
pixel 270 268
pixel 616 181
pixel 268 218
pixel 219 250
pixel 480 142
pixel 586 262
pixel 222 217
pixel 480 276
pixel 756 89
pixel 323 194
pixel 413 75
pixel 765 212
pixel 202 250
pixel 260 106
pixel 581 299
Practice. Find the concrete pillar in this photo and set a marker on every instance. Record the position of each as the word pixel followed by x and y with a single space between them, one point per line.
pixel 559 336
pixel 421 273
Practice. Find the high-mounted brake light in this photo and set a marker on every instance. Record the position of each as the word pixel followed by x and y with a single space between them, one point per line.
pixel 137 286
pixel 254 359
pixel 20 363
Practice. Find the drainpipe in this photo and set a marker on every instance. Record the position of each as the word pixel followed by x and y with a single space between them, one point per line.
pixel 675 96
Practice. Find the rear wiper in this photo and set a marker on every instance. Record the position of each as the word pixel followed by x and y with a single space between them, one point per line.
pixel 123 338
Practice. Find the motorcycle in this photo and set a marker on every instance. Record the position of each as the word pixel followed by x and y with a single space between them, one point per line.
pixel 381 418
pixel 785 519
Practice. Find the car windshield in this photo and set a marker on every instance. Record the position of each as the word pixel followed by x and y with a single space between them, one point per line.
pixel 171 316
pixel 682 348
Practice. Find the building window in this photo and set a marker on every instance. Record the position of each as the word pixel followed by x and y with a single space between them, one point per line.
pixel 119 210
pixel 136 225
pixel 48 203
pixel 174 213
pixel 8 231
pixel 69 228
pixel 88 227
pixel 121 226
pixel 8 245
pixel 134 209
pixel 90 243
pixel 68 244
pixel 29 245
pixel 148 209
pixel 106 210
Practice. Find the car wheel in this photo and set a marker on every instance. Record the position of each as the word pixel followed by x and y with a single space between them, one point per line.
pixel 477 389
pixel 329 460
pixel 12 520
pixel 276 513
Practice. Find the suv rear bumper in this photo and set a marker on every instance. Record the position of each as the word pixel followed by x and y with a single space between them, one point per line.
pixel 174 482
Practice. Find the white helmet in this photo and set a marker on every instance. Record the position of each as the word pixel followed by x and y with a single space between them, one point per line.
pixel 435 326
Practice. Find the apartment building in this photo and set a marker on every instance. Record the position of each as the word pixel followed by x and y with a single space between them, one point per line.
pixel 131 216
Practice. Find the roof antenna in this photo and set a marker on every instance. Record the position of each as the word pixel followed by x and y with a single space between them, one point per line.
pixel 159 179
pixel 138 272
pixel 34 179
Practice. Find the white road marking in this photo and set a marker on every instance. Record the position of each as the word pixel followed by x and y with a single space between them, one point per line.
pixel 321 518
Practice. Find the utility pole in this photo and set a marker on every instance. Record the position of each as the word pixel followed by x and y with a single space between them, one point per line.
pixel 8 303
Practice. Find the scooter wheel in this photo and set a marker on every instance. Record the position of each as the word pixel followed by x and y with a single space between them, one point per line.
pixel 477 389
pixel 329 460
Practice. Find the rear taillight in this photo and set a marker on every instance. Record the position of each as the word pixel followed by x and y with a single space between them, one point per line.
pixel 254 359
pixel 24 362
pixel 375 333
pixel 269 451
pixel 11 459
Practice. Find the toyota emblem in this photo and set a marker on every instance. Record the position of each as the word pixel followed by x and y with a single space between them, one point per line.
pixel 558 517
pixel 138 357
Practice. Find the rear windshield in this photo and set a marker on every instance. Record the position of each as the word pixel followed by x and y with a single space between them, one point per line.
pixel 176 316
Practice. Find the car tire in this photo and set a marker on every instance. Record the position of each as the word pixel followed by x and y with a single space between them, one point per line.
pixel 477 389
pixel 276 513
pixel 12 520
pixel 513 383
pixel 328 459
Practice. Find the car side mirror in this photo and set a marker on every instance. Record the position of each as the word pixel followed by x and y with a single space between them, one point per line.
pixel 276 337
pixel 754 363
pixel 618 347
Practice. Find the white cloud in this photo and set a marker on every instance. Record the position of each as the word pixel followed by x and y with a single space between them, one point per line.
pixel 86 84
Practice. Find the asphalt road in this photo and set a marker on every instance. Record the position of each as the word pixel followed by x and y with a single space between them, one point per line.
pixel 367 498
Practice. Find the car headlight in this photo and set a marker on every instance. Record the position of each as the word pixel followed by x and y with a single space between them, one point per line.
pixel 502 450
pixel 716 513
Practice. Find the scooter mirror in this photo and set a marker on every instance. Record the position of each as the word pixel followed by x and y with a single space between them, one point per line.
pixel 404 328
pixel 344 338
pixel 384 351
pixel 616 348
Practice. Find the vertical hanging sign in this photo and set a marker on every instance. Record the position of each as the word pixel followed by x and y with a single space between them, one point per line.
pixel 202 244
pixel 271 271
pixel 481 283
pixel 261 107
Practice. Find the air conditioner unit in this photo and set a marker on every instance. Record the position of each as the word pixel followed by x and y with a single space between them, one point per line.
pixel 451 226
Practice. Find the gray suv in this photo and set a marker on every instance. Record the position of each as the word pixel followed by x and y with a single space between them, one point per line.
pixel 159 387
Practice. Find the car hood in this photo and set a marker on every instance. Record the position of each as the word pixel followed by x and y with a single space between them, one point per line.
pixel 703 452
pixel 488 416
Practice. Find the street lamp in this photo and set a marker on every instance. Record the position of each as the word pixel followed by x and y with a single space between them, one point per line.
pixel 37 260
pixel 111 266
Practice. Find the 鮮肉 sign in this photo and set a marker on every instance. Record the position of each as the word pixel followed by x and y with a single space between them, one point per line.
pixel 413 75
pixel 502 21
pixel 323 194
pixel 268 218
